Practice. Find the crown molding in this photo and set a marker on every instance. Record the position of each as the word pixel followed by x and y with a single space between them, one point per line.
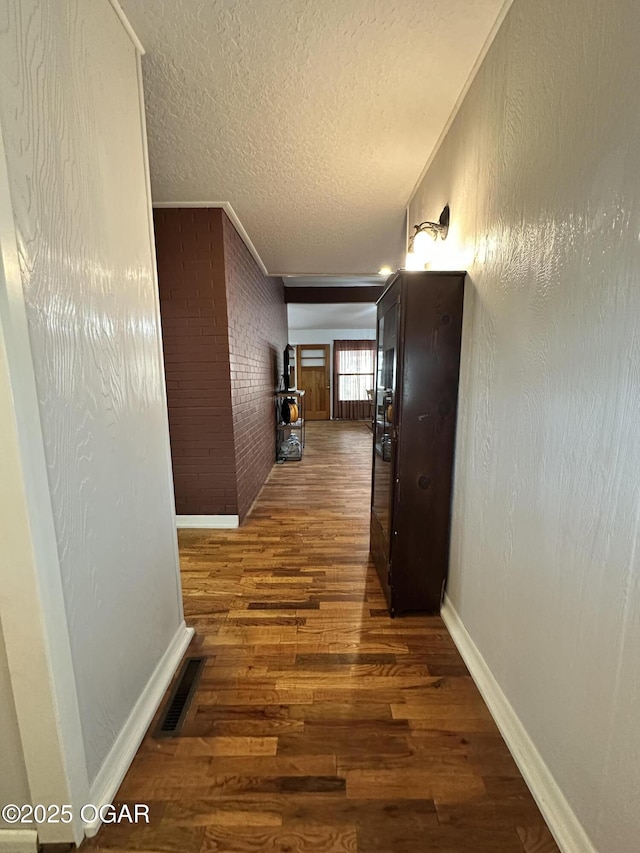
pixel 117 8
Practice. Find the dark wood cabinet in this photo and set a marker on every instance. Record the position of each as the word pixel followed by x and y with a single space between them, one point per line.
pixel 414 425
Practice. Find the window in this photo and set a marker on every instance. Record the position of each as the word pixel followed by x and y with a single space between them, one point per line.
pixel 354 366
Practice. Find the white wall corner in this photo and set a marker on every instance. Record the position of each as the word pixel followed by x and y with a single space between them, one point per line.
pixel 213 522
pixel 106 784
pixel 154 268
pixel 18 841
pixel 561 820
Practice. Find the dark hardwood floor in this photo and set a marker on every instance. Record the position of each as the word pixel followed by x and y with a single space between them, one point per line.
pixel 320 724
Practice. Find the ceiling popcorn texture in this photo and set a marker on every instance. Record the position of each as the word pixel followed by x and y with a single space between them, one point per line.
pixel 313 119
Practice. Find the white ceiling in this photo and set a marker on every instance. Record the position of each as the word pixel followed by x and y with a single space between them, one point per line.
pixel 313 118
pixel 348 315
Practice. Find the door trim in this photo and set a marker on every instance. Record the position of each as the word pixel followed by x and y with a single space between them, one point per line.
pixel 328 348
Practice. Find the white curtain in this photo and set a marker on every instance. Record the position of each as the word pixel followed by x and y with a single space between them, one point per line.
pixel 354 367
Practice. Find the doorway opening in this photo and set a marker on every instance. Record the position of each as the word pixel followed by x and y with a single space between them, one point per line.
pixel 314 378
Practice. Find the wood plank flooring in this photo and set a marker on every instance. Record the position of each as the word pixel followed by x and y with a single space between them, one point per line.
pixel 320 724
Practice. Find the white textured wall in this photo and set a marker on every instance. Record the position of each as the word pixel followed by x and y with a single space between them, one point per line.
pixel 329 316
pixel 70 113
pixel 14 787
pixel 328 336
pixel 541 171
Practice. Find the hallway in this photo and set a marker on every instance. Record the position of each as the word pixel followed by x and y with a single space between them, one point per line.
pixel 319 723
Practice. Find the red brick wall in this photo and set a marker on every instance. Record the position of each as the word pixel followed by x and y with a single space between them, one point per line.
pixel 193 306
pixel 257 337
pixel 224 329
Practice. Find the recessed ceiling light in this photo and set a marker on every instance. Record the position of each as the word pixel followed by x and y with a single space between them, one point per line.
pixel 384 271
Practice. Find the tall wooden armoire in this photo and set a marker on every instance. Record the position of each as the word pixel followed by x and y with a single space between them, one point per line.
pixel 414 424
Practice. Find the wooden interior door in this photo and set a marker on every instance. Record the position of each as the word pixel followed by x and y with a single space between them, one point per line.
pixel 314 379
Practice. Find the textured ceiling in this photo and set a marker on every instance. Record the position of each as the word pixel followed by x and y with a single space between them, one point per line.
pixel 314 118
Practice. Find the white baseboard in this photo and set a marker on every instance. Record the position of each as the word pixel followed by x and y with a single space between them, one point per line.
pixel 218 522
pixel 561 820
pixel 18 841
pixel 116 764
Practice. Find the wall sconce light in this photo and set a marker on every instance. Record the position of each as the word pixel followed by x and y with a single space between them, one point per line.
pixel 420 241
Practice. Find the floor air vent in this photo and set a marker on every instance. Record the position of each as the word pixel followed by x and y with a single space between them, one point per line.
pixel 176 709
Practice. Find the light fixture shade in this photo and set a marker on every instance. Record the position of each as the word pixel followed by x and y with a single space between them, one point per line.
pixel 423 243
pixel 413 262
pixel 421 251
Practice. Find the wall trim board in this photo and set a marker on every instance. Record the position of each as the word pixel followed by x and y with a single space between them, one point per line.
pixel 215 522
pixel 563 823
pixel 18 841
pixel 118 761
pixel 233 216
pixel 502 14
pixel 117 8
